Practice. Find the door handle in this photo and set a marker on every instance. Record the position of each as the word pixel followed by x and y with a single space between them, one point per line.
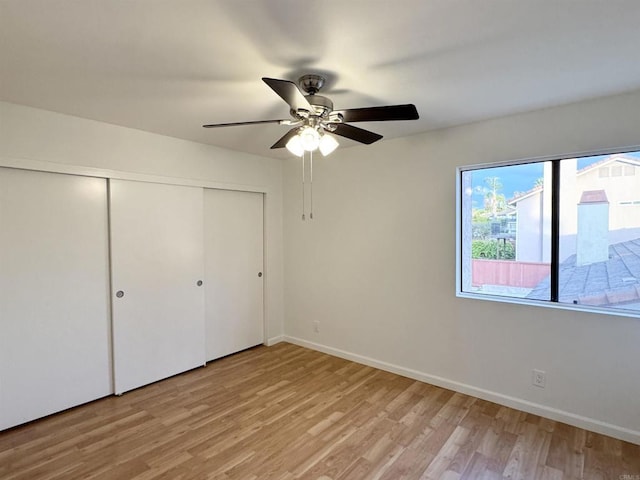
pixel 259 274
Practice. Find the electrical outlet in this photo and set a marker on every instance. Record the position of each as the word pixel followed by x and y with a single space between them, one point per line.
pixel 316 326
pixel 539 378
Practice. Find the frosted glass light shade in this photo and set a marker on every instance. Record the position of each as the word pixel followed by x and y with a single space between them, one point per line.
pixel 327 144
pixel 294 145
pixel 310 138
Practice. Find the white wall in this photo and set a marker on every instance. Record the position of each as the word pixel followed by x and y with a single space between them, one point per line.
pixel 35 137
pixel 376 268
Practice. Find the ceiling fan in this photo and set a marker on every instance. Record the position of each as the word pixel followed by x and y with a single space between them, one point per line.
pixel 312 116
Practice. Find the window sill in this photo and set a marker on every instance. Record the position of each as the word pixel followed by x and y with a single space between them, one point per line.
pixel 618 312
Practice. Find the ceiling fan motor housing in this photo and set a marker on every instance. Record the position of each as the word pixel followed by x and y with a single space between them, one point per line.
pixel 322 105
pixel 311 84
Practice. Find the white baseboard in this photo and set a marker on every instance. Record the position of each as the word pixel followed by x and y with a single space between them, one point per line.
pixel 273 340
pixel 579 421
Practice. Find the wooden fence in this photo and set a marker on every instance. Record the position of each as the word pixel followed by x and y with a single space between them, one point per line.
pixel 508 272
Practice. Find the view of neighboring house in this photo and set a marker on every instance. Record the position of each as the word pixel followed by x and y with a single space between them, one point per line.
pixel 617 175
pixel 599 232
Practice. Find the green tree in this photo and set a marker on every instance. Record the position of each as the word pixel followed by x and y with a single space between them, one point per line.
pixel 494 201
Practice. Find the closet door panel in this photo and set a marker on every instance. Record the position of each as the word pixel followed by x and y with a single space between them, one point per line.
pixel 233 270
pixel 54 294
pixel 157 261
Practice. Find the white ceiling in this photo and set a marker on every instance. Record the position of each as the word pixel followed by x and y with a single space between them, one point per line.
pixel 169 66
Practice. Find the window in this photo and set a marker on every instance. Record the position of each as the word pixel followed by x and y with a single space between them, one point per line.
pixel 556 230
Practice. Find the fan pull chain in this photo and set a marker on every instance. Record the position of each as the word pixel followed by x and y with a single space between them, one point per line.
pixel 302 157
pixel 311 185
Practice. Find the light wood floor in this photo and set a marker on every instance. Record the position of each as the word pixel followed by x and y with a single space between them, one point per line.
pixel 285 412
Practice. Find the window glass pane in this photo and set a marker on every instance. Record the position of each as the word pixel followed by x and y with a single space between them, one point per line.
pixel 600 232
pixel 506 231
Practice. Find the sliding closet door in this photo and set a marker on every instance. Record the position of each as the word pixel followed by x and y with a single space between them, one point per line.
pixel 54 294
pixel 234 267
pixel 157 266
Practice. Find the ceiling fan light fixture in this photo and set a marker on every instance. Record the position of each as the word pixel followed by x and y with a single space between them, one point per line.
pixel 327 144
pixel 294 145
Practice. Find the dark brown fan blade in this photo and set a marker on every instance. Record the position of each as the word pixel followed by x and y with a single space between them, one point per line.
pixel 290 93
pixel 358 134
pixel 380 114
pixel 235 124
pixel 287 136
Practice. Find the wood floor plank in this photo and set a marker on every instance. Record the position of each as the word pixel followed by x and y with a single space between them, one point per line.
pixel 286 412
